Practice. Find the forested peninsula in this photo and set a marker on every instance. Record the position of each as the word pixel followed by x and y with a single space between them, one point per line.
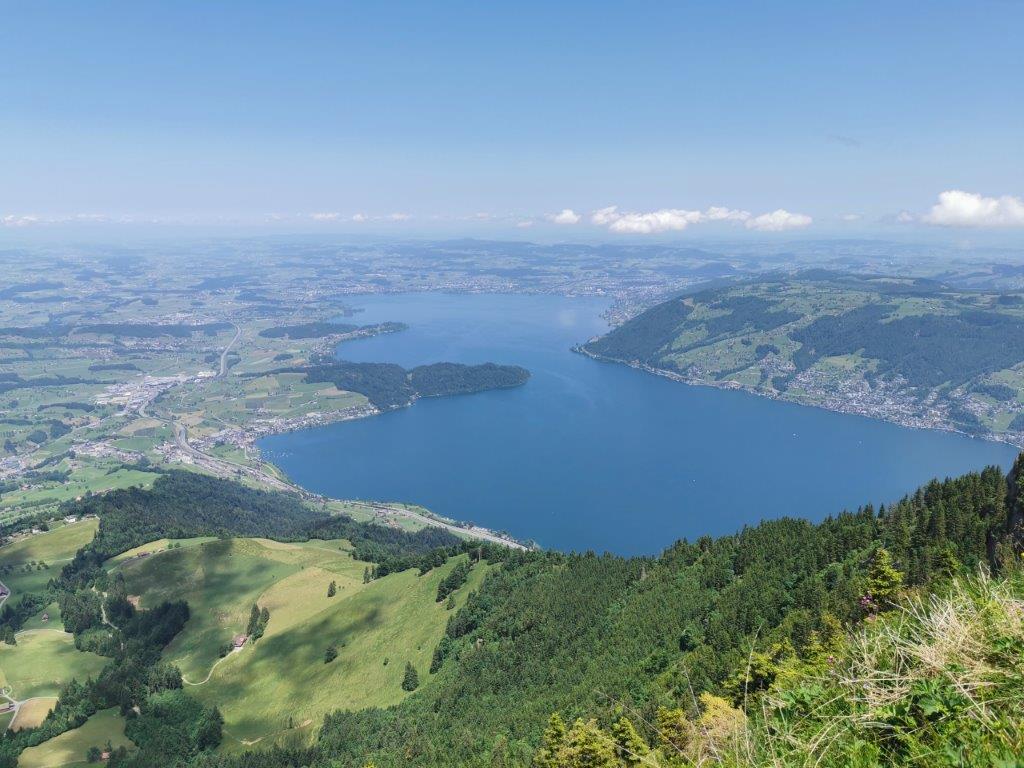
pixel 388 386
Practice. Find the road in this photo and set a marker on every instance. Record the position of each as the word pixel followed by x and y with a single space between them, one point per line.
pixel 225 467
pixel 209 674
pixel 484 534
pixel 224 355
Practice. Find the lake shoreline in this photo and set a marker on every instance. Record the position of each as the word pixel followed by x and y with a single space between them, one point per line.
pixel 737 387
pixel 565 460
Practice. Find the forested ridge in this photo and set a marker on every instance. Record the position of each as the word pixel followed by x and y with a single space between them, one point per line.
pixel 707 625
pixel 952 345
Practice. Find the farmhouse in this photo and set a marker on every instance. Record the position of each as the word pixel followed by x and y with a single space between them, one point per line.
pixel 239 641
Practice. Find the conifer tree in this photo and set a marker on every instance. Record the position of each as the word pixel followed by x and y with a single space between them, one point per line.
pixel 551 743
pixel 411 679
pixel 254 620
pixel 628 744
pixel 884 581
pixel 332 589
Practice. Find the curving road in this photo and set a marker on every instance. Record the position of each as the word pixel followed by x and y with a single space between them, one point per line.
pixel 224 355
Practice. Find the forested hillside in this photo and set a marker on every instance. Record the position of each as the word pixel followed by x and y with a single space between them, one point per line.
pixel 712 629
pixel 594 636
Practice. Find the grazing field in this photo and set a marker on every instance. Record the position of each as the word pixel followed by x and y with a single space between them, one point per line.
pixel 222 579
pixel 276 689
pixel 88 478
pixel 69 748
pixel 32 712
pixel 375 629
pixel 20 560
pixel 156 547
pixel 53 620
pixel 42 661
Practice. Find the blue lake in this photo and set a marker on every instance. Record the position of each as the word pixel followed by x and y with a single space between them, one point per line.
pixel 591 455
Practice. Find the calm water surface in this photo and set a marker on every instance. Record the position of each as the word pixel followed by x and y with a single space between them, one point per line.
pixel 591 455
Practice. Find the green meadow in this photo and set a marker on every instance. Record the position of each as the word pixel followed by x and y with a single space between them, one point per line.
pixel 20 560
pixel 284 679
pixel 42 662
pixel 278 689
pixel 69 748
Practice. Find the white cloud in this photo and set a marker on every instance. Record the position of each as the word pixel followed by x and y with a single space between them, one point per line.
pixel 325 216
pixel 13 220
pixel 851 217
pixel 602 217
pixel 779 221
pixel 524 224
pixel 715 213
pixel 957 208
pixel 360 218
pixel 905 217
pixel 565 216
pixel 28 220
pixel 678 219
pixel 664 220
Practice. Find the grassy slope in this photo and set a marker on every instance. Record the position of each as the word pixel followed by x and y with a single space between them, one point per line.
pixel 220 579
pixel 69 748
pixel 157 546
pixel 376 630
pixel 396 618
pixel 53 547
pixel 43 661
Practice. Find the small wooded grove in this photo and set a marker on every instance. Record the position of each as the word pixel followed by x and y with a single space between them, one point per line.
pixel 584 635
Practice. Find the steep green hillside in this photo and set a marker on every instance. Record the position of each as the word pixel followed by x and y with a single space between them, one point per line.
pixel 375 627
pixel 322 629
pixel 912 351
pixel 375 631
pixel 403 671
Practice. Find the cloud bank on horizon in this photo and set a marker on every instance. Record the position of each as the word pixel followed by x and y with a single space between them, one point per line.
pixel 678 219
pixel 954 209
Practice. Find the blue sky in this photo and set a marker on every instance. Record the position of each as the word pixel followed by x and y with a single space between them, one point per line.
pixel 497 117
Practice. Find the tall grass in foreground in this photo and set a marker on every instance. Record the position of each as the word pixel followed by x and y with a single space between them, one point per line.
pixel 938 681
pixel 935 682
